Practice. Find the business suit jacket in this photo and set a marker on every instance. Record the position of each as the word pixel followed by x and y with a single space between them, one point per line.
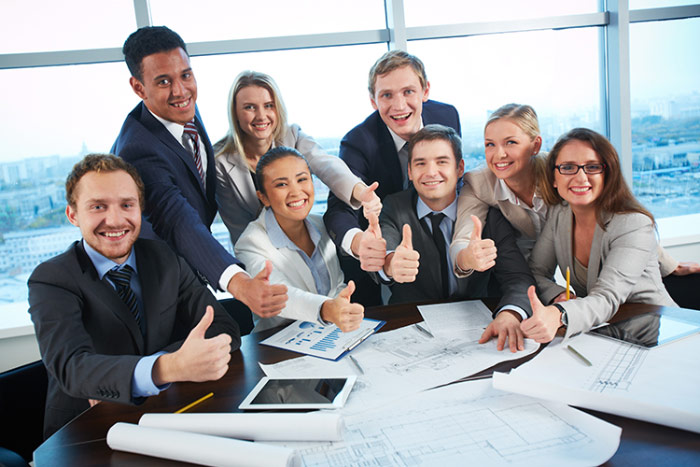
pixel 178 208
pixel 511 270
pixel 304 303
pixel 623 267
pixel 238 203
pixel 369 151
pixel 88 338
pixel 477 195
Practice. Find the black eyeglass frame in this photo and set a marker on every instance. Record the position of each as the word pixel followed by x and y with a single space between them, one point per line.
pixel 580 167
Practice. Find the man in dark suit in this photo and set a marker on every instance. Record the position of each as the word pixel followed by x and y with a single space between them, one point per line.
pixel 375 151
pixel 165 139
pixel 418 223
pixel 120 318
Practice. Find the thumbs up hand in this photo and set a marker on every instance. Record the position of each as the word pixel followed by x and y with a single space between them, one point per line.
pixel 263 299
pixel 480 255
pixel 347 316
pixel 372 247
pixel 198 359
pixel 371 204
pixel 545 320
pixel 402 264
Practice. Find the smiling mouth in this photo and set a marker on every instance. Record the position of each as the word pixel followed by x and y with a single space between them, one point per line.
pixel 115 234
pixel 502 165
pixel 580 189
pixel 402 117
pixel 181 105
pixel 261 126
pixel 432 183
pixel 297 204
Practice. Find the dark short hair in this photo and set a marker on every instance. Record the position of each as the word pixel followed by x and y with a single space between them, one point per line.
pixel 104 163
pixel 435 132
pixel 280 152
pixel 147 41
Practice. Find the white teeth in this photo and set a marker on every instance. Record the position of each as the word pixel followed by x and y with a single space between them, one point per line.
pixel 182 104
pixel 401 117
pixel 261 125
pixel 296 204
pixel 115 234
pixel 580 190
pixel 502 165
pixel 432 183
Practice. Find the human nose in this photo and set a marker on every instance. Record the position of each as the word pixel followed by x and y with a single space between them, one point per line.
pixel 177 88
pixel 113 217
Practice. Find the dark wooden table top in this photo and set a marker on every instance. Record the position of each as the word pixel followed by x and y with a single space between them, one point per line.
pixel 82 441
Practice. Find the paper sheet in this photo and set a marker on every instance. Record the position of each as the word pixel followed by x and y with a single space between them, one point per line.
pixel 327 342
pixel 658 385
pixel 313 426
pixel 447 318
pixel 197 448
pixel 403 361
pixel 468 424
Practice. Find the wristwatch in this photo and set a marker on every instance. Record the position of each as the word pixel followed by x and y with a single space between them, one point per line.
pixel 564 317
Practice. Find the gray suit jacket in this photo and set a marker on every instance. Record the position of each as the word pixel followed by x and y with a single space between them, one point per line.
pixel 623 267
pixel 88 338
pixel 511 270
pixel 238 203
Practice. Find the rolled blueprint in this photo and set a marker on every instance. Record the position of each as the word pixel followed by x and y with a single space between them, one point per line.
pixel 314 426
pixel 197 448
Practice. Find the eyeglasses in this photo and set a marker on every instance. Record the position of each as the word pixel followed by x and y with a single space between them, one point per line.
pixel 572 169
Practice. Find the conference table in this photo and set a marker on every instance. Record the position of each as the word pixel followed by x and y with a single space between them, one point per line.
pixel 82 441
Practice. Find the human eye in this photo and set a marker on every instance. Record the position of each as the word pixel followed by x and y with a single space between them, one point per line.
pixel 489 144
pixel 187 75
pixel 593 168
pixel 270 105
pixel 511 142
pixel 408 92
pixel 568 168
pixel 386 95
pixel 248 107
pixel 280 184
pixel 164 82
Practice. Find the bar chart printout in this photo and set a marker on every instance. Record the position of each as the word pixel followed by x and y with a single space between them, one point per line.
pixel 327 342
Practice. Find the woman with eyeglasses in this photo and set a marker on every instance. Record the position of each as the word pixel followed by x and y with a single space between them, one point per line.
pixel 597 229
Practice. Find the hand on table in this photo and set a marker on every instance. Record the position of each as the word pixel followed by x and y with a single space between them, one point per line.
pixel 506 325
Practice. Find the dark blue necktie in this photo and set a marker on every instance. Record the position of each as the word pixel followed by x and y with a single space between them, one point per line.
pixel 121 279
pixel 439 239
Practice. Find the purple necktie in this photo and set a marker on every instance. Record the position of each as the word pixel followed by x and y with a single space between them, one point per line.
pixel 191 131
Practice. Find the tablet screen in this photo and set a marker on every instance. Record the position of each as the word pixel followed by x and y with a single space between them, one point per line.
pixel 299 393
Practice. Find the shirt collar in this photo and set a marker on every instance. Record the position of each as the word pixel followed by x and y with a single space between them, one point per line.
pixel 399 141
pixel 103 264
pixel 175 129
pixel 277 236
pixel 502 192
pixel 423 210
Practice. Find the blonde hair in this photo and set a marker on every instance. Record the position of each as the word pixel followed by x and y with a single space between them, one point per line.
pixel 233 141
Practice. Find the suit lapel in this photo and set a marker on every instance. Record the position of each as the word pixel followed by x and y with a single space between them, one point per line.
pixel 390 159
pixel 243 183
pixel 106 294
pixel 429 269
pixel 165 137
pixel 596 256
pixel 151 294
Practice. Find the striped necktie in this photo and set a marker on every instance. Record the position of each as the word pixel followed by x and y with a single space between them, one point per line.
pixel 121 279
pixel 191 131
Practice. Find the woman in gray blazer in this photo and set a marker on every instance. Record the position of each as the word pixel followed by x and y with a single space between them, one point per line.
pixel 294 246
pixel 600 232
pixel 258 123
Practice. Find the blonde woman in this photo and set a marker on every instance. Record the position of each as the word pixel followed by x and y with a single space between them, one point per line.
pixel 258 123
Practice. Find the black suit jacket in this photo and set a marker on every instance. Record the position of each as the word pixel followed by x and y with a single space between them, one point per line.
pixel 178 208
pixel 88 338
pixel 369 151
pixel 511 270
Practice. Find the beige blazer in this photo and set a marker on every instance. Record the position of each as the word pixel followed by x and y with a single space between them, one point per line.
pixel 623 267
pixel 254 248
pixel 477 195
pixel 235 192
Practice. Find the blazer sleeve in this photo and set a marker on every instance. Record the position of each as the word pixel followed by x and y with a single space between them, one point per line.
pixel 468 204
pixel 667 263
pixel 332 171
pixel 543 259
pixel 511 270
pixel 56 307
pixel 628 244
pixel 254 247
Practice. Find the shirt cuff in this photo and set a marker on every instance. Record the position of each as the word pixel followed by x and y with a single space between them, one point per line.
pixel 229 272
pixel 515 308
pixel 142 384
pixel 382 275
pixel 346 244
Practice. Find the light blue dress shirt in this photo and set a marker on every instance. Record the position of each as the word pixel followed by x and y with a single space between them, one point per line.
pixel 142 384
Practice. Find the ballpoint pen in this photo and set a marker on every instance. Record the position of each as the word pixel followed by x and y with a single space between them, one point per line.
pixel 356 364
pixel 568 282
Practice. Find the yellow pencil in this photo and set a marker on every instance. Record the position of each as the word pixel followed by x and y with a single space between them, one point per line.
pixel 198 401
pixel 568 282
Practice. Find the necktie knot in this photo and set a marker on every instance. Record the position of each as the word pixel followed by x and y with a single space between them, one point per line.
pixel 121 277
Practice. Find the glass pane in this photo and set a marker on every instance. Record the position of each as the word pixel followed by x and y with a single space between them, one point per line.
pixel 217 20
pixel 40 26
pixel 422 13
pixel 640 4
pixel 535 68
pixel 58 115
pixel 327 97
pixel 666 115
